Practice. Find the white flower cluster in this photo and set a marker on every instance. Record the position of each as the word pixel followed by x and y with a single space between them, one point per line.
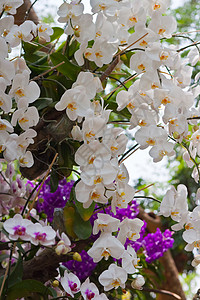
pixel 174 204
pixel 159 101
pixel 36 233
pixel 17 91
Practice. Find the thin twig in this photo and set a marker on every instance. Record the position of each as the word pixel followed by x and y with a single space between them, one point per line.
pixel 147 197
pixel 127 152
pixel 27 201
pixel 28 11
pixel 109 70
pixel 111 77
pixel 66 44
pixel 7 268
pixel 185 32
pixel 128 155
pixel 193 44
pixel 46 72
pixel 192 159
pixel 187 37
pixel 144 188
pixel 38 191
pixel 4 178
pixel 122 51
pixel 164 292
pixel 118 87
pixel 120 123
pixel 1 14
pixel 193 118
pixel 56 81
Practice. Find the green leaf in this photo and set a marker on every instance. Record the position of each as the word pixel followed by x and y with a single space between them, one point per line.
pixel 34 249
pixel 25 288
pixel 31 47
pixel 85 213
pixel 3 257
pixel 66 159
pixel 17 273
pixel 54 181
pixel 53 292
pixel 57 32
pixel 69 219
pixel 41 103
pixel 83 229
pixel 68 69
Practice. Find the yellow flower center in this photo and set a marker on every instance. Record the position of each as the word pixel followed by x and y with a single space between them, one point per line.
pixel 164 56
pixel 154 86
pixel 121 177
pixel 165 101
pixel 161 31
pixel 132 235
pixel 105 254
pixel 113 148
pixel 189 226
pixel 2 126
pixel 41 30
pixel 143 43
pixel 23 120
pixel 89 134
pixel 156 6
pixel 71 106
pixel 116 283
pixel 98 180
pixel 102 6
pixel 20 93
pixel 130 105
pixel 88 54
pixel 150 142
pixel 23 161
pixel 174 213
pixel 142 123
pixel 7 7
pixel 98 54
pixel 141 67
pixel 133 19
pixel 95 196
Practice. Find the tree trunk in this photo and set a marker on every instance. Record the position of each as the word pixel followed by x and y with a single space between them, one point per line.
pixel 23 13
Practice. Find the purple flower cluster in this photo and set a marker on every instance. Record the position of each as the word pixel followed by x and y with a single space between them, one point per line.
pixel 82 269
pixel 58 199
pixel 121 213
pixel 155 244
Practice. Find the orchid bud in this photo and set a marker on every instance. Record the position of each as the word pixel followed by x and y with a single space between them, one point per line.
pixel 55 283
pixel 138 283
pixel 77 257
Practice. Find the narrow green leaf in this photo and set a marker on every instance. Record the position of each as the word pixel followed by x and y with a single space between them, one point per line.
pixel 17 273
pixel 41 103
pixel 54 181
pixel 68 69
pixel 26 287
